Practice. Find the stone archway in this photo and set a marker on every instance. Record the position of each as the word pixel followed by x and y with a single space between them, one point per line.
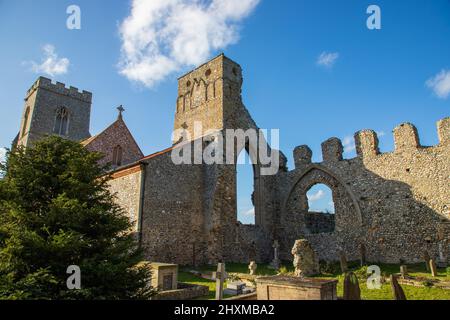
pixel 348 219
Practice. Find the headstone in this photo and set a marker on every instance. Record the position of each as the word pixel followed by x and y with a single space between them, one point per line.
pixel 362 253
pixel 351 287
pixel 404 271
pixel 442 261
pixel 343 261
pixel 252 267
pixel 164 276
pixel 220 276
pixel 235 288
pixel 426 258
pixel 433 268
pixel 275 264
pixel 305 259
pixel 397 290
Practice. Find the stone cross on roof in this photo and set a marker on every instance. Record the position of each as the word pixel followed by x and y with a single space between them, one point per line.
pixel 121 110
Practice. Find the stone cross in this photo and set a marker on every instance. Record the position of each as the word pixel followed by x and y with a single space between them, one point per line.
pixel 343 261
pixel 276 261
pixel 121 110
pixel 404 271
pixel 220 276
pixel 433 268
pixel 252 267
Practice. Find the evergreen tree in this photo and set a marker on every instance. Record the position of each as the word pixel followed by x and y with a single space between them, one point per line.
pixel 56 211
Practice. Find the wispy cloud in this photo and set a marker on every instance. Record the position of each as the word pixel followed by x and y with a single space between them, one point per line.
pixel 250 212
pixel 327 59
pixel 50 64
pixel 440 84
pixel 349 144
pixel 316 196
pixel 160 37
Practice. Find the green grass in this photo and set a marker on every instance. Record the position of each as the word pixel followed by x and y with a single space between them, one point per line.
pixel 332 271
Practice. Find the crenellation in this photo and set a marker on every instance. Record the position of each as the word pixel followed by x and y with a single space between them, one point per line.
pixel 302 156
pixel 443 127
pixel 406 137
pixel 366 143
pixel 332 150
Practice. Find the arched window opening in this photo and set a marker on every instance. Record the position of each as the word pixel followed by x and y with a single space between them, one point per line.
pixel 61 122
pixel 117 156
pixel 321 210
pixel 244 189
pixel 25 122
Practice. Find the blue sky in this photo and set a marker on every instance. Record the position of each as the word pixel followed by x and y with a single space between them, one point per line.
pixel 368 79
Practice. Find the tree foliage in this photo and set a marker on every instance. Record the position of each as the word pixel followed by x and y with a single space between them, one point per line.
pixel 56 211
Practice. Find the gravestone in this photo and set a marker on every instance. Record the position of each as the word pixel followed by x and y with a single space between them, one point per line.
pixel 252 267
pixel 442 261
pixel 404 271
pixel 343 261
pixel 220 276
pixel 351 287
pixel 362 254
pixel 275 264
pixel 235 288
pixel 433 268
pixel 426 258
pixel 397 290
pixel 164 276
pixel 305 259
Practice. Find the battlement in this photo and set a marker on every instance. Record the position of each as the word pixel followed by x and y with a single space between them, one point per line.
pixel 60 88
pixel 406 138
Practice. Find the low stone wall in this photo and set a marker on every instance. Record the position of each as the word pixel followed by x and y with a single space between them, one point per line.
pixel 185 291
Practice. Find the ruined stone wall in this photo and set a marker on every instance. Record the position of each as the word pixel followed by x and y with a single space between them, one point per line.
pixel 396 203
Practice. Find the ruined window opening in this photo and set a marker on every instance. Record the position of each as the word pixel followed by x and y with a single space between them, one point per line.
pixel 321 209
pixel 244 189
pixel 117 156
pixel 61 121
pixel 25 121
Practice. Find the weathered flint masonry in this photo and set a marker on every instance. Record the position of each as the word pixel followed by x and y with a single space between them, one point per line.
pixel 396 205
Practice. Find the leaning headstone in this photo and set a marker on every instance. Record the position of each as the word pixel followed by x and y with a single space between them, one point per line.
pixel 426 258
pixel 343 261
pixel 305 259
pixel 252 267
pixel 275 264
pixel 220 277
pixel 351 287
pixel 362 253
pixel 397 290
pixel 404 271
pixel 433 268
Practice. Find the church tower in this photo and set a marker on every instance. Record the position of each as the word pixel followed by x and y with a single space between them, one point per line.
pixel 53 109
pixel 210 95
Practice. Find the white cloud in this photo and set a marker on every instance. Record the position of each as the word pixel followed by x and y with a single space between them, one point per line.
pixel 349 144
pixel 160 37
pixel 316 196
pixel 440 84
pixel 327 59
pixel 250 213
pixel 51 64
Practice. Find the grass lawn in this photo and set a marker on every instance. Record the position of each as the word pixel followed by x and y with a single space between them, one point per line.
pixel 332 271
